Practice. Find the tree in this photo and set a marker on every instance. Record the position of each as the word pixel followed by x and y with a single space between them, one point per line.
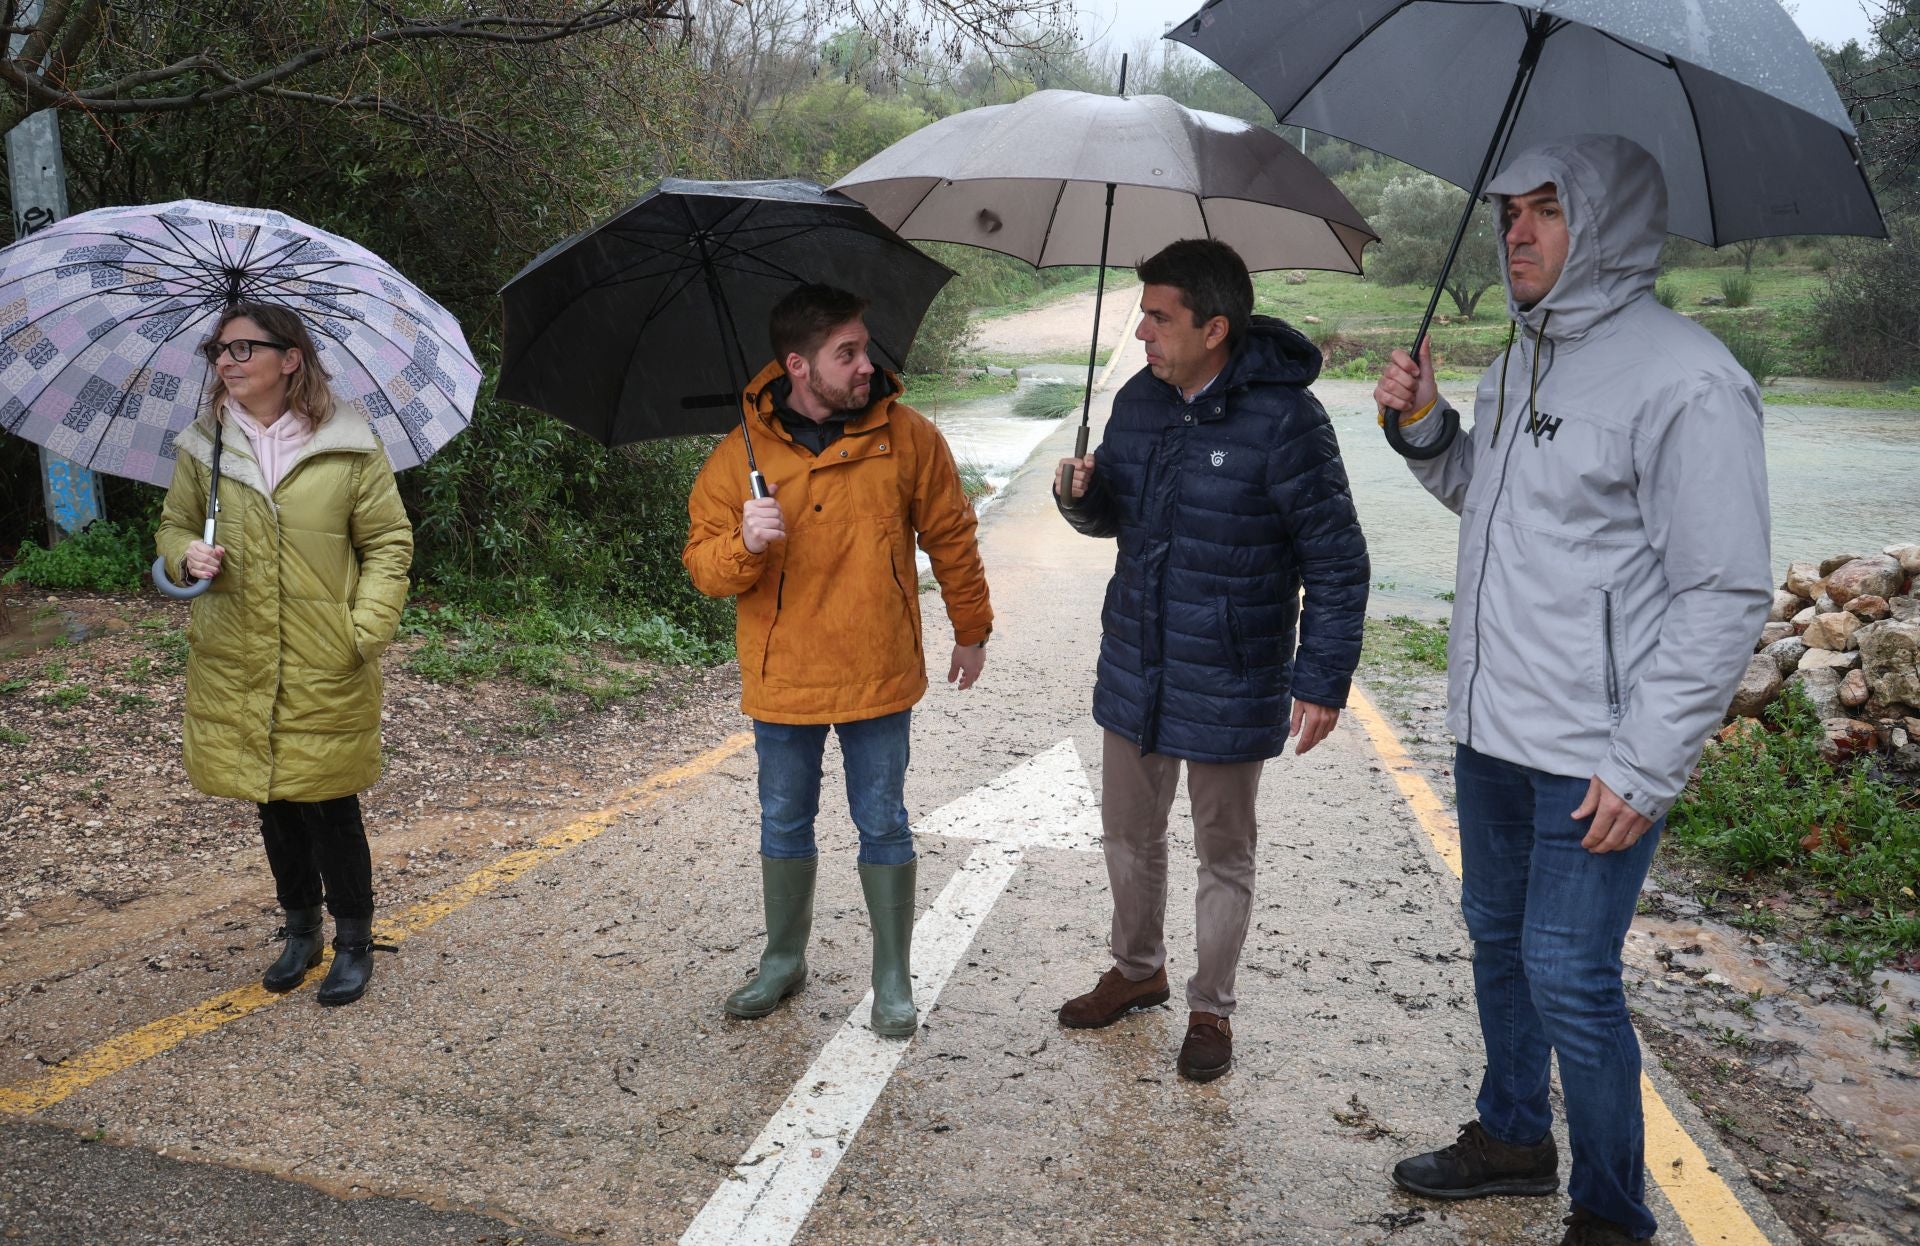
pixel 1417 217
pixel 1881 88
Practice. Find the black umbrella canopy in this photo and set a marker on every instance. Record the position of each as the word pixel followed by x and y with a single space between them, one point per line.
pixel 1726 94
pixel 650 323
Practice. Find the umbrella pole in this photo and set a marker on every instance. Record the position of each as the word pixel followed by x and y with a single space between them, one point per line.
pixel 1093 357
pixel 1068 473
pixel 730 335
pixel 1523 78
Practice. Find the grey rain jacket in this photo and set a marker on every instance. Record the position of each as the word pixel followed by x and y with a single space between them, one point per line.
pixel 1614 568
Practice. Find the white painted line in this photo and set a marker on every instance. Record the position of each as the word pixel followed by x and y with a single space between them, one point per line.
pixel 1042 803
pixel 765 1200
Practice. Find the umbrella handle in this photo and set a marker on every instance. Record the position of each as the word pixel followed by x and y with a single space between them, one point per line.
pixel 1068 471
pixel 1449 429
pixel 759 484
pixel 164 582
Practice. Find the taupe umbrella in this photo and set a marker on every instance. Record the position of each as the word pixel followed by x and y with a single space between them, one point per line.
pixel 1065 177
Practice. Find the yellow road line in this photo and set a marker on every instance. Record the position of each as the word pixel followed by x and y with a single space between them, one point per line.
pixel 125 1050
pixel 1702 1199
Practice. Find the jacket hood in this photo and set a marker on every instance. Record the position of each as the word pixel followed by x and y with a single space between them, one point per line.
pixel 1274 353
pixel 772 386
pixel 1615 200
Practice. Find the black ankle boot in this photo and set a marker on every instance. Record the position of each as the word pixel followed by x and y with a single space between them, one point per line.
pixel 301 930
pixel 352 961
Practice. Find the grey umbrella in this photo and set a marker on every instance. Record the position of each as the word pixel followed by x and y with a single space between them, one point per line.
pixel 1726 94
pixel 1064 177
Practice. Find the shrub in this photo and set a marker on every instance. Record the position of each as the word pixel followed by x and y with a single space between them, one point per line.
pixel 1753 350
pixel 1867 323
pixel 1046 401
pixel 101 557
pixel 1665 293
pixel 1737 287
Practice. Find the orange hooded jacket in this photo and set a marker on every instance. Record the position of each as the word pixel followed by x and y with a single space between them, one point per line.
pixel 829 618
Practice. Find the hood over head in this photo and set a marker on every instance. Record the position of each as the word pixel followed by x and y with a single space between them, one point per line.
pixel 1273 352
pixel 1615 200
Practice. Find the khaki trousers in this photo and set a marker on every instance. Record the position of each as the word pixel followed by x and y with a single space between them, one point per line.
pixel 1136 794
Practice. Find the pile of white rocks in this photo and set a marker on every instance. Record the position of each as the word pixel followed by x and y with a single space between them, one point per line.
pixel 1846 631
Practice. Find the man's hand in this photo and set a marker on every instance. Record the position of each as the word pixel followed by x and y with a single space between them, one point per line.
pixel 1405 387
pixel 1082 477
pixel 1311 723
pixel 966 665
pixel 761 523
pixel 1616 824
pixel 203 560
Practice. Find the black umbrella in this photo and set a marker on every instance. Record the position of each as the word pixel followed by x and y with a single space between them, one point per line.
pixel 1726 95
pixel 650 323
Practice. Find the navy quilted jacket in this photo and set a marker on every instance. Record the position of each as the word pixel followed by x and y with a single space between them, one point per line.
pixel 1224 508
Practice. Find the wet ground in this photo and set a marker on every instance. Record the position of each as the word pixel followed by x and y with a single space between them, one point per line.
pixel 546 1048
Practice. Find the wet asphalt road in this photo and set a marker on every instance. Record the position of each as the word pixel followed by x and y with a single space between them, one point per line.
pixel 549 1062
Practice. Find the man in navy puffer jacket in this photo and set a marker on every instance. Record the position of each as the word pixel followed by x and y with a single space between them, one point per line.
pixel 1220 476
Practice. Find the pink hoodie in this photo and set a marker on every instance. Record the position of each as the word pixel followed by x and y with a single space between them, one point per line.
pixel 276 446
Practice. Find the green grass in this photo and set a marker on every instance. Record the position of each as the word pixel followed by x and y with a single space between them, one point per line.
pixel 1872 399
pixel 15 738
pixel 1047 402
pixel 1401 641
pixel 13 685
pixel 66 697
pixel 1770 810
pixel 551 648
pixel 934 390
pixel 973 479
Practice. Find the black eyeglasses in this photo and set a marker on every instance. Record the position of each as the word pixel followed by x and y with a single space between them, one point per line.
pixel 241 348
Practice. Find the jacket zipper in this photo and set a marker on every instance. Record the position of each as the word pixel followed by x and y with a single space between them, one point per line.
pixel 1613 680
pixel 1486 558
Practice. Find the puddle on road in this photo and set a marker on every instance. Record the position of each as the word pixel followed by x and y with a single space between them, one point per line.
pixel 1774 1013
pixel 28 625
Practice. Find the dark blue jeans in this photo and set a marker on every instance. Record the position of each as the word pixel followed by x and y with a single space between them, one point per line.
pixel 1548 919
pixel 875 752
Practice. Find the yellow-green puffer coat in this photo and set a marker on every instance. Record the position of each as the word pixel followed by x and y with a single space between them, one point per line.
pixel 283 669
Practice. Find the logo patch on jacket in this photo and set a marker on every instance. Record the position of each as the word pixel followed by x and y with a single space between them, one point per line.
pixel 1544 425
pixel 1218 457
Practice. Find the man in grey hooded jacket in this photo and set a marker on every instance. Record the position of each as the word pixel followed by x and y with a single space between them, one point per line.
pixel 1613 574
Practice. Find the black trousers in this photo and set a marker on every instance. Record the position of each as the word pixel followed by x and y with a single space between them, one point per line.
pixel 318 849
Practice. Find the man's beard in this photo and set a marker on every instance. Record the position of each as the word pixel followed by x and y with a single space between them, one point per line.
pixel 838 399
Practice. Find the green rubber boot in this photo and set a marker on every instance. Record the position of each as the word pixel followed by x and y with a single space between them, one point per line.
pixel 890 891
pixel 786 896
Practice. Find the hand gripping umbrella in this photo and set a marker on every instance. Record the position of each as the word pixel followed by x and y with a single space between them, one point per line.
pixel 644 326
pixel 102 316
pixel 1725 94
pixel 1065 177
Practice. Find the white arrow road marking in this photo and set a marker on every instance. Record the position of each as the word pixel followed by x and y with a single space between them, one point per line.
pixel 1043 802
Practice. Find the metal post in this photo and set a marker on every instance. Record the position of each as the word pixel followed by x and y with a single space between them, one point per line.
pixel 38 183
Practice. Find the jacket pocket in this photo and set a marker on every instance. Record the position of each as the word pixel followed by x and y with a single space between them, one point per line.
pixel 1609 652
pixel 1230 628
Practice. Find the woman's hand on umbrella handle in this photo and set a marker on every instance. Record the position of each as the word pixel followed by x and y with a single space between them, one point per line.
pixel 1405 386
pixel 761 523
pixel 203 560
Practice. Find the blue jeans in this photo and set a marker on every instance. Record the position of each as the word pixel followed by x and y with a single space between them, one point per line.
pixel 875 752
pixel 1548 919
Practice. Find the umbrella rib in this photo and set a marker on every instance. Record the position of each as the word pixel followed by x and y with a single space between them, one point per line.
pixel 374 331
pixel 126 391
pixel 420 448
pixel 1665 58
pixel 81 354
pixel 1706 171
pixel 1053 213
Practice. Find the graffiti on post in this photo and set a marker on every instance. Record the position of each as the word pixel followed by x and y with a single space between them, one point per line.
pixel 33 220
pixel 72 499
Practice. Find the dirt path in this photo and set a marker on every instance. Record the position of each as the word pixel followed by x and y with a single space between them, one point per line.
pixel 1060 329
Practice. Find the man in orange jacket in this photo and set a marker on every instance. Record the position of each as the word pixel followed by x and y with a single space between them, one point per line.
pixel 828 626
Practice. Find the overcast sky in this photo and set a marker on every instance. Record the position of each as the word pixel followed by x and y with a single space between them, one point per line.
pixel 1126 22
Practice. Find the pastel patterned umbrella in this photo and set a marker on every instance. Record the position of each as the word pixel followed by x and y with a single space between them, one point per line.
pixel 102 315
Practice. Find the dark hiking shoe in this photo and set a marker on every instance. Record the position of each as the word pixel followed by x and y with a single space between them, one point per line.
pixel 1479 1164
pixel 1208 1051
pixel 1112 998
pixel 301 930
pixel 1586 1229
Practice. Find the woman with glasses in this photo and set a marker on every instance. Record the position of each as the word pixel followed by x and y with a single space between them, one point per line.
pixel 308 571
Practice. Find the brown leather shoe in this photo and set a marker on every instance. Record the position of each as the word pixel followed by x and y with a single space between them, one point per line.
pixel 1208 1051
pixel 1112 998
